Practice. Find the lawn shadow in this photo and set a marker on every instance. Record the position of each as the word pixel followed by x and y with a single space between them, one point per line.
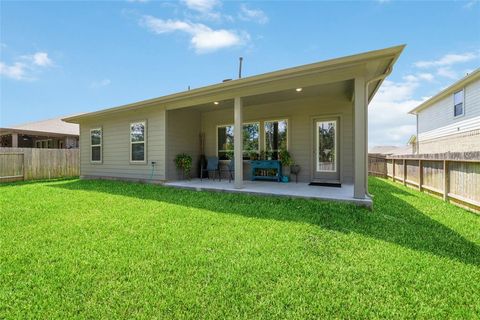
pixel 393 220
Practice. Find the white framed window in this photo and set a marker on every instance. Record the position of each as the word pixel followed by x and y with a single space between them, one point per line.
pixel 96 145
pixel 251 141
pixel 138 142
pixel 458 103
pixel 276 136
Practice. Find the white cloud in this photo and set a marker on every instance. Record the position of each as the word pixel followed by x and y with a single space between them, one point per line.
pixel 17 71
pixel 202 6
pixel 203 38
pixel 471 3
pixel 99 84
pixel 389 121
pixel 256 15
pixel 448 60
pixel 447 72
pixel 41 59
pixel 418 77
pixel 205 10
pixel 26 66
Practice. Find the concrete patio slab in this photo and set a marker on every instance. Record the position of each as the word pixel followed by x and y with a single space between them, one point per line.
pixel 267 188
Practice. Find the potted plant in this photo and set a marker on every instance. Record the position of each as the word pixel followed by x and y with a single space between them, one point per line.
pixel 184 162
pixel 253 155
pixel 286 160
pixel 262 156
pixel 229 155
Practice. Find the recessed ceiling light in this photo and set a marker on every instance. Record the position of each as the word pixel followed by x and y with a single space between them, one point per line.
pixel 216 102
pixel 299 89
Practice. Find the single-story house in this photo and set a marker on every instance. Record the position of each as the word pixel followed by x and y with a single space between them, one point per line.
pixel 52 133
pixel 409 148
pixel 318 112
pixel 450 120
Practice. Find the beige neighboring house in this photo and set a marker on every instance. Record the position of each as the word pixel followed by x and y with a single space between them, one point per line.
pixel 450 120
pixel 52 133
pixel 410 148
pixel 391 150
pixel 316 111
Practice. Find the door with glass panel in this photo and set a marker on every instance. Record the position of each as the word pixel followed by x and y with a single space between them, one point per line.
pixel 326 153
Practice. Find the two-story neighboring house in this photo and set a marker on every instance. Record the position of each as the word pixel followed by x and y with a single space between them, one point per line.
pixel 450 120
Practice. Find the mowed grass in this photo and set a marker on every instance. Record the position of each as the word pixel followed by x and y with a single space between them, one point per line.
pixel 102 249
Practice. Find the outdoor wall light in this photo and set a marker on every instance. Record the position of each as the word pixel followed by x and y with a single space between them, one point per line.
pixel 216 103
pixel 299 89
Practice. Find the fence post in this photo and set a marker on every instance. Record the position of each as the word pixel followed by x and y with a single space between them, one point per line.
pixel 385 167
pixel 23 166
pixel 404 172
pixel 446 180
pixel 393 169
pixel 420 174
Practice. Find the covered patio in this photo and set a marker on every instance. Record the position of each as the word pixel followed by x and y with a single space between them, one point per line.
pixel 267 188
pixel 317 113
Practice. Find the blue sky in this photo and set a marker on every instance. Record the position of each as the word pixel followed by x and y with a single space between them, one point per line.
pixel 62 58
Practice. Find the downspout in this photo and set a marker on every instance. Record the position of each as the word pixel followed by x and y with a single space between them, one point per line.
pixel 417 141
pixel 378 78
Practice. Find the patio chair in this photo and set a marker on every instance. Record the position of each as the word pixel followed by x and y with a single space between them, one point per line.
pixel 212 166
pixel 230 169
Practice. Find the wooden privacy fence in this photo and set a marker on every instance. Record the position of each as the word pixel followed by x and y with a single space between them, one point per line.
pixel 32 163
pixel 453 176
pixel 377 165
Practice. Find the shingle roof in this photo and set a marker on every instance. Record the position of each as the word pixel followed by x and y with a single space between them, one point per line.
pixel 391 150
pixel 56 125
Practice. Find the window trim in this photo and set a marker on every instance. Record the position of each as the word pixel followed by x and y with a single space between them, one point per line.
pixel 96 145
pixel 232 125
pixel 265 135
pixel 463 103
pixel 130 143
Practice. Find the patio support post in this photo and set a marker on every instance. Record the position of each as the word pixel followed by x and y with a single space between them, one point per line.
pixel 14 140
pixel 360 143
pixel 238 142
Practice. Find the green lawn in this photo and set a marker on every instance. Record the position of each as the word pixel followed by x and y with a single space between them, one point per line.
pixel 99 249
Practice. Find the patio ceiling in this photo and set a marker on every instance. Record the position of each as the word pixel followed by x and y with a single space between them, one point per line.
pixel 335 89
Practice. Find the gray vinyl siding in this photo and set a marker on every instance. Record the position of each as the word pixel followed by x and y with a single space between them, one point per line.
pixel 440 114
pixel 177 131
pixel 300 115
pixel 183 129
pixel 116 146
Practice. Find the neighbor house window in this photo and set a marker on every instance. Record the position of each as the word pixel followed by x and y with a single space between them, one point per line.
pixel 251 138
pixel 458 103
pixel 96 144
pixel 138 141
pixel 276 136
pixel 44 144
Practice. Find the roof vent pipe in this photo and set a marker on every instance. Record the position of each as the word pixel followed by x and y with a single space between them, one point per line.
pixel 240 68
